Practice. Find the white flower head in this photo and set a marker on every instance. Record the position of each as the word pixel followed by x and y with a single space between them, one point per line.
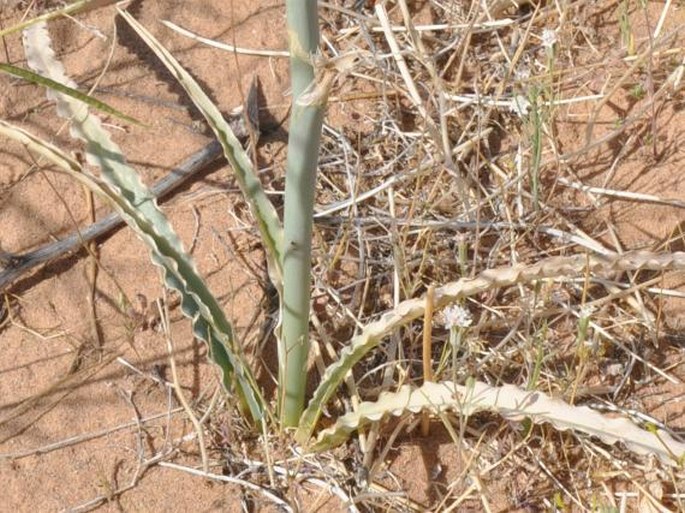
pixel 549 38
pixel 457 317
pixel 522 73
pixel 586 311
pixel 519 105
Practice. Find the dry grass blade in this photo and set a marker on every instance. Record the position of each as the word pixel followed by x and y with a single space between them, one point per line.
pixel 72 8
pixel 224 46
pixel 230 479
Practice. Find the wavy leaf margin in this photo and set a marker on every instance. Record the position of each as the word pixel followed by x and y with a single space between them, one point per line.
pixel 261 207
pixel 411 309
pixel 138 207
pixel 512 403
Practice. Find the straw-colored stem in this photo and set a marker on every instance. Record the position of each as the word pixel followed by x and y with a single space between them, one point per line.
pixel 427 351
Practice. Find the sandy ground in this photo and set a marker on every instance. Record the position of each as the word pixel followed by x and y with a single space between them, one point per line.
pixel 61 378
pixel 50 351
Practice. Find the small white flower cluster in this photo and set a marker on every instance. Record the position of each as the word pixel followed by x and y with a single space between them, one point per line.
pixel 549 38
pixel 519 105
pixel 522 73
pixel 586 311
pixel 457 317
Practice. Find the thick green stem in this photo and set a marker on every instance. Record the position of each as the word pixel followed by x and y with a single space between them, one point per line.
pixel 303 153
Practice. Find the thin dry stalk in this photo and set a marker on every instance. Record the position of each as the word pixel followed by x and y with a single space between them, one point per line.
pixel 163 309
pixel 427 351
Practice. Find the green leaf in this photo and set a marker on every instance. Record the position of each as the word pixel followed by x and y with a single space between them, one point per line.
pixel 72 8
pixel 261 207
pixel 74 93
pixel 122 186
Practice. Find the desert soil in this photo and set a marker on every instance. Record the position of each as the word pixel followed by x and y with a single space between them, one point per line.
pixel 64 376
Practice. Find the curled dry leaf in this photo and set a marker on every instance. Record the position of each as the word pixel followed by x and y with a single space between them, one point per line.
pixel 512 403
pixel 405 312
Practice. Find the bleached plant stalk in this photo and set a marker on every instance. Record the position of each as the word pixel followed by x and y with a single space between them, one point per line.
pixel 303 152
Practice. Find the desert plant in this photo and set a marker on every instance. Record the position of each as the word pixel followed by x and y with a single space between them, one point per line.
pixel 288 251
pixel 303 153
pixel 510 402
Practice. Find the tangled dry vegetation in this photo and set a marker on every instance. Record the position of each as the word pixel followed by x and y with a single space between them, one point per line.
pixel 461 142
pixel 464 162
